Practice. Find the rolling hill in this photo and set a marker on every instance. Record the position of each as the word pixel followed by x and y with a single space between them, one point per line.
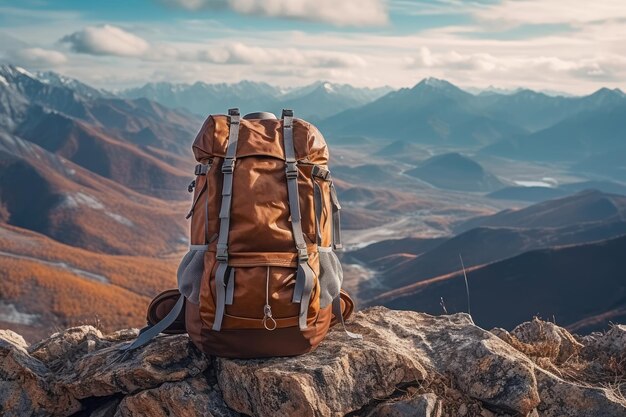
pixel 46 193
pixel 589 216
pixel 484 245
pixel 455 172
pixel 582 286
pixel 584 207
pixel 94 149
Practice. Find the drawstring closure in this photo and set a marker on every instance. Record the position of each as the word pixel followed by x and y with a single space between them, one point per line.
pixel 268 321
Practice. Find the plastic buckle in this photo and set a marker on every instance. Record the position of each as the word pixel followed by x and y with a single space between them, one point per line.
pixel 292 170
pixel 320 172
pixel 201 169
pixel 191 186
pixel 303 255
pixel 228 166
pixel 222 254
pixel 287 113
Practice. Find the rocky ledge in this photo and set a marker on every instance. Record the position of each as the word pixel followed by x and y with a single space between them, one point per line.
pixel 408 364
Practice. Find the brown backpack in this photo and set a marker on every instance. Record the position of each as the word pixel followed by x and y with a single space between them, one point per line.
pixel 261 277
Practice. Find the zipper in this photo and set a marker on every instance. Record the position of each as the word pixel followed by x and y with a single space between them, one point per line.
pixel 268 321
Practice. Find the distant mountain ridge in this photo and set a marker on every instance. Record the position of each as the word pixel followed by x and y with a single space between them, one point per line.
pixel 433 112
pixel 314 101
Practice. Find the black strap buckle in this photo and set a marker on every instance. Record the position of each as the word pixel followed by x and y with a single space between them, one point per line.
pixel 320 172
pixel 191 186
pixel 202 169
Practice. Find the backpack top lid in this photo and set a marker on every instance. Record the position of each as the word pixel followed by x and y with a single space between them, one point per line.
pixel 260 137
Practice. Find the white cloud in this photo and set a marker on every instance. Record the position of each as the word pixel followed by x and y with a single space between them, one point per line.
pixel 334 12
pixel 38 57
pixel 239 53
pixel 454 60
pixel 106 40
pixel 600 67
pixel 247 54
pixel 551 11
pixel 578 57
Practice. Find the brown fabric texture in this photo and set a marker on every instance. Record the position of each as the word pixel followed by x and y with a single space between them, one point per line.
pixel 261 246
pixel 256 343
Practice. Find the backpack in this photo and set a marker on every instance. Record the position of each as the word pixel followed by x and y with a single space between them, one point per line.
pixel 261 277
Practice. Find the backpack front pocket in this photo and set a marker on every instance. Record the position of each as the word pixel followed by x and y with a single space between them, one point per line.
pixel 261 298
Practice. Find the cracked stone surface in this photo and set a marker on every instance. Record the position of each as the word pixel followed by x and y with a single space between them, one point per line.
pixel 408 363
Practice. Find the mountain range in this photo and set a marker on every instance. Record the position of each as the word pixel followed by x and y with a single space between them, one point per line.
pixel 93 189
pixel 315 101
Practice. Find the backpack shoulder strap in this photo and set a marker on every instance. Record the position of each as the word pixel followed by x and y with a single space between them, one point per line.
pixel 150 332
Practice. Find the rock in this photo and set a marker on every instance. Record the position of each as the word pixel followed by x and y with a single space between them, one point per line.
pixel 611 343
pixel 561 398
pixel 482 365
pixel 423 405
pixel 24 387
pixel 13 338
pixel 106 372
pixel 408 363
pixel 68 344
pixel 547 340
pixel 193 397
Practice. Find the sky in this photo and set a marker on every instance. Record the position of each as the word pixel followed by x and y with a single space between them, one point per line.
pixel 571 46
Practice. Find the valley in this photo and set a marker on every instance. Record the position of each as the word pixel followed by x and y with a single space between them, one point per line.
pixel 93 195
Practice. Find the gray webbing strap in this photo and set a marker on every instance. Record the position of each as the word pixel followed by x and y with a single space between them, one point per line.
pixel 148 333
pixel 220 294
pixel 337 313
pixel 336 218
pixel 319 206
pixel 206 205
pixel 228 166
pixel 304 276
